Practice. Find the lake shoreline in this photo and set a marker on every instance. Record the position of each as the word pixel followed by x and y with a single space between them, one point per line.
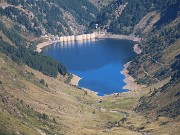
pixel 43 44
pixel 75 80
pixel 137 50
pixel 129 80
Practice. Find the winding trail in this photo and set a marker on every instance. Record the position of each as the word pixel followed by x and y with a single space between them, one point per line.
pixel 149 74
pixel 121 121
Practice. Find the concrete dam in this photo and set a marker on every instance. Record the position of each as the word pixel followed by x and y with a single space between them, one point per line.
pixel 76 38
pixel 93 36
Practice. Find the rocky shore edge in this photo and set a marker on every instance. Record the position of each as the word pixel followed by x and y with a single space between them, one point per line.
pixel 129 80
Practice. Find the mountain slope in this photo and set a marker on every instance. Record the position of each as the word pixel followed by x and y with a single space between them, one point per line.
pixel 33 103
pixel 160 61
pixel 121 16
pixel 56 17
pixel 158 23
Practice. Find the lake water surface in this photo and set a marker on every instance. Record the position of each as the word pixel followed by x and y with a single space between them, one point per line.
pixel 98 62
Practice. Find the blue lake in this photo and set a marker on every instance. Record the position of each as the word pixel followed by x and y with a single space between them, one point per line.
pixel 98 62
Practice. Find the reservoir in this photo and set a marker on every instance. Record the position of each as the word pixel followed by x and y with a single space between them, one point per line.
pixel 97 62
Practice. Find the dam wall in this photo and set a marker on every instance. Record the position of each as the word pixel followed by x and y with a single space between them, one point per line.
pixel 77 37
pixel 93 36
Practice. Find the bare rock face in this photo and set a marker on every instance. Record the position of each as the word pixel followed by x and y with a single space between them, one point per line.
pixel 74 26
pixel 3 1
pixel 101 3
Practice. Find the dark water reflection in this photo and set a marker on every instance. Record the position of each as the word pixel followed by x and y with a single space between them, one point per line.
pixel 98 62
